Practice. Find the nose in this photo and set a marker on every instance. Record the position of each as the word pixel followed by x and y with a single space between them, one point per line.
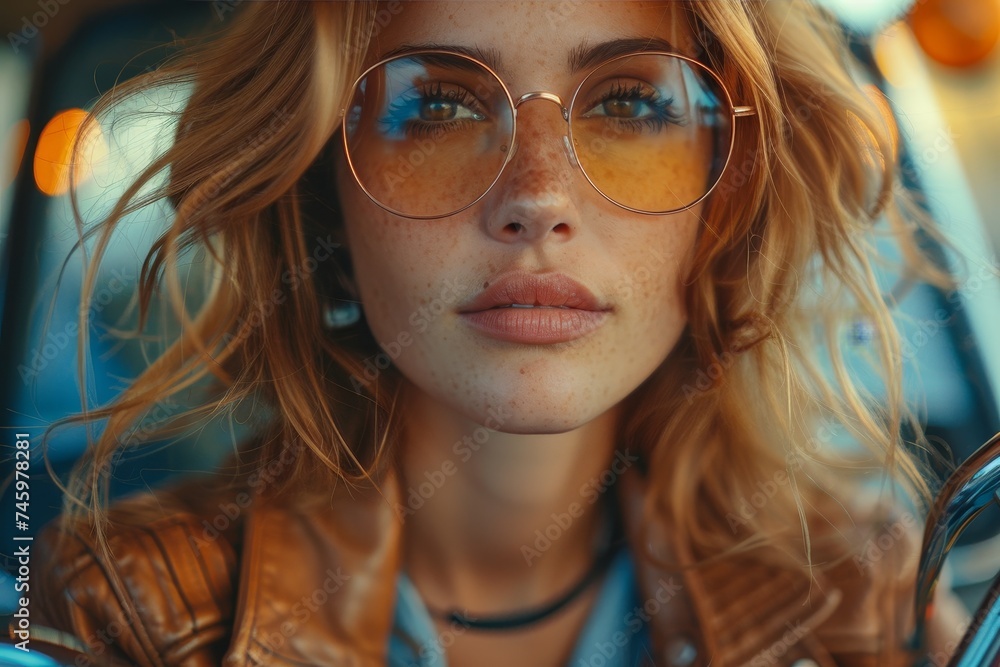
pixel 534 198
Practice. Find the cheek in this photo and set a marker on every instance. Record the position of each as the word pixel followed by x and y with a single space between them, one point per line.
pixel 398 265
pixel 412 274
pixel 388 268
pixel 653 282
pixel 374 256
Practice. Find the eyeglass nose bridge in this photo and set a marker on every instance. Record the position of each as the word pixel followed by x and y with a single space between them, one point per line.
pixel 555 99
pixel 543 95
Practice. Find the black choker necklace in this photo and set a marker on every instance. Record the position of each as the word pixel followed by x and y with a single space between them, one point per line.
pixel 530 616
pixel 520 619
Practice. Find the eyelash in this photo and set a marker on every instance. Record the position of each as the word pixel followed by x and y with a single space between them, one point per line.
pixel 426 93
pixel 663 107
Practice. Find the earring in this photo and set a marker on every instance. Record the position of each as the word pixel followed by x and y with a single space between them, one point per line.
pixel 342 315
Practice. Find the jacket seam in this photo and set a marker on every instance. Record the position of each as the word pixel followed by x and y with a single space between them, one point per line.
pixel 142 636
pixel 203 566
pixel 173 576
pixel 244 616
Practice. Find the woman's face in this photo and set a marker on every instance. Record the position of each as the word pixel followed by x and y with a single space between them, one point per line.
pixel 543 369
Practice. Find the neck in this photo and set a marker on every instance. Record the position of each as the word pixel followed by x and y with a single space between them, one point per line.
pixel 497 521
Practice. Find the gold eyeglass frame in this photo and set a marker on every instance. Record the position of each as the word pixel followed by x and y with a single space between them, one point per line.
pixel 734 111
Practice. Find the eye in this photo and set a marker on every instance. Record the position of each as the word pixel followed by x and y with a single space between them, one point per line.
pixel 437 110
pixel 633 106
pixel 622 108
pixel 431 106
pixel 627 102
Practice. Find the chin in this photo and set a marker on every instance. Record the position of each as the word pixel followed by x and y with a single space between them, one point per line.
pixel 535 424
pixel 534 412
pixel 523 397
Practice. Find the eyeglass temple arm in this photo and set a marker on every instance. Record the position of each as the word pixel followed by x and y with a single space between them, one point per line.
pixel 973 487
pixel 744 111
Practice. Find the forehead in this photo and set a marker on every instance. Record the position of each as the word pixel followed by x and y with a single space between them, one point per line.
pixel 522 37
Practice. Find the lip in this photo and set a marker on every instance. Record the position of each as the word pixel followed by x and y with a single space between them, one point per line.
pixel 561 309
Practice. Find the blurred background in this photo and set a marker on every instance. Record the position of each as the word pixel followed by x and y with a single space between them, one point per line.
pixel 936 61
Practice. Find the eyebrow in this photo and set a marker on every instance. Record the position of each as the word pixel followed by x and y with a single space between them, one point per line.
pixel 582 57
pixel 585 57
pixel 489 56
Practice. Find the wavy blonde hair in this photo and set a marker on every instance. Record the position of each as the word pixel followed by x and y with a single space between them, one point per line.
pixel 743 392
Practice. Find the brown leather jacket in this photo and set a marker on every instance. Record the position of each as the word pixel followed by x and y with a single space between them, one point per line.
pixel 219 576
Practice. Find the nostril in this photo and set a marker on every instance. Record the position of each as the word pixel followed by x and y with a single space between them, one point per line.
pixel 516 228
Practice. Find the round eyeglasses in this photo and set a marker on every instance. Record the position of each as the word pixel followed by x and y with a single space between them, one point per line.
pixel 428 133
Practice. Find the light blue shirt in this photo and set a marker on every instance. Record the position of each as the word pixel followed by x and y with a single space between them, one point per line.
pixel 614 635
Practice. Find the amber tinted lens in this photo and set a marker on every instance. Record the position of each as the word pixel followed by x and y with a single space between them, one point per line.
pixel 652 132
pixel 427 135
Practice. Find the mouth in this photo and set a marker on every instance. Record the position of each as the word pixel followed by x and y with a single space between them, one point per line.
pixel 533 290
pixel 535 309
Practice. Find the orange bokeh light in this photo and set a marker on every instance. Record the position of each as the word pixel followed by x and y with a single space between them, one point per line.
pixel 53 153
pixel 959 33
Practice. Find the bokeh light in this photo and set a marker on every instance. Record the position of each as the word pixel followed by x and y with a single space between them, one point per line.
pixel 958 33
pixel 53 154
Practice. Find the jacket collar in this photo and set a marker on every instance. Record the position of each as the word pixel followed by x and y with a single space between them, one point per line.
pixel 737 611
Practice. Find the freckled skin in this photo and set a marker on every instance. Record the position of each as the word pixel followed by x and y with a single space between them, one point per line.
pixel 542 215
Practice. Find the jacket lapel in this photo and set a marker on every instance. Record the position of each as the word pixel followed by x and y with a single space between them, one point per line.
pixel 318 581
pixel 733 612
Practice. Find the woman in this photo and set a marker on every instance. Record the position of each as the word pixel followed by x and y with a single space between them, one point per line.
pixel 521 385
